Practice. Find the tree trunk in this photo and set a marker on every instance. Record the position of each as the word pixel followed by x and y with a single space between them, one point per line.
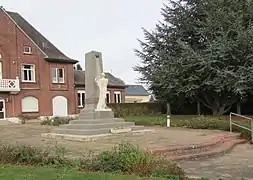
pixel 220 110
pixel 198 108
pixel 215 111
pixel 238 108
pixel 168 109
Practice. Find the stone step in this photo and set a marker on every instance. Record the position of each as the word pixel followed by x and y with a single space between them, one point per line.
pixel 85 110
pixel 96 121
pixel 222 149
pixel 217 145
pixel 96 115
pixel 97 125
pixel 91 131
pixel 212 143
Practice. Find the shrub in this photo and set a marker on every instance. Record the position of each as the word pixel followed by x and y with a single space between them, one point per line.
pixel 28 155
pixel 147 120
pixel 56 121
pixel 202 122
pixel 137 109
pixel 129 159
pixel 24 118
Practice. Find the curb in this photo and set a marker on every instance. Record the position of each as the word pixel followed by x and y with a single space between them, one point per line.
pixel 214 141
pixel 217 145
pixel 226 147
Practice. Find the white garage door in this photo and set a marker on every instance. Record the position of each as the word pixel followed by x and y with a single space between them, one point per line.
pixel 60 106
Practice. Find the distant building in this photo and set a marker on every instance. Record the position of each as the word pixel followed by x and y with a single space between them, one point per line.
pixel 136 93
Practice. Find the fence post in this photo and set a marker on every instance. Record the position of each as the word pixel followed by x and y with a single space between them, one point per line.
pixel 168 121
pixel 251 123
pixel 230 123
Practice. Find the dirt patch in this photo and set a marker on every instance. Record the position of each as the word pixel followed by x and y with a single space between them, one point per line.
pixel 163 137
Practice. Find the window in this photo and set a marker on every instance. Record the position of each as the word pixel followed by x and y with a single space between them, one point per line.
pixel 81 98
pixel 57 75
pixel 27 50
pixel 108 99
pixel 30 104
pixel 117 97
pixel 28 73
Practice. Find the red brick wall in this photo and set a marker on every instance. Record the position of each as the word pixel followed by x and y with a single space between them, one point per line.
pixel 12 41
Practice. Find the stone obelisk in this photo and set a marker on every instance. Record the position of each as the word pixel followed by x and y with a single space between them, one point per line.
pixel 93 69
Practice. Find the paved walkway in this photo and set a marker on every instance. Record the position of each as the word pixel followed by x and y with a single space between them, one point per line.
pixel 231 166
pixel 235 165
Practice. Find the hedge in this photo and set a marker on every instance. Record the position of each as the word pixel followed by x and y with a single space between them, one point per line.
pixel 136 109
pixel 187 108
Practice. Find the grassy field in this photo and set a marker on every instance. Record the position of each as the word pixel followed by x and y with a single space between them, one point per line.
pixel 175 119
pixel 195 122
pixel 158 120
pixel 9 172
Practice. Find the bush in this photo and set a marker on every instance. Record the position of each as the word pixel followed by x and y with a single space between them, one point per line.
pixel 129 159
pixel 28 155
pixel 202 122
pixel 147 120
pixel 56 121
pixel 24 118
pixel 137 109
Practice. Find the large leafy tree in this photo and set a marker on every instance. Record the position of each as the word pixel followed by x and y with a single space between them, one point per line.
pixel 202 50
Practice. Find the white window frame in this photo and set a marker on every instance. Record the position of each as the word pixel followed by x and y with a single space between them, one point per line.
pixel 116 99
pixel 23 72
pixel 109 100
pixel 29 48
pixel 56 79
pixel 81 92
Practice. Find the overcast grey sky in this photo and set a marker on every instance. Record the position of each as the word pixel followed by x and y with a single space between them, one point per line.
pixel 79 26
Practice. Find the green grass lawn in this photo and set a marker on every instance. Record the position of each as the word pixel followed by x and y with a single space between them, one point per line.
pixel 211 122
pixel 158 120
pixel 176 120
pixel 10 172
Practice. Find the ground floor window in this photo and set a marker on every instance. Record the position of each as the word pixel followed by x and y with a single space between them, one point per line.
pixel 81 98
pixel 108 98
pixel 117 97
pixel 30 104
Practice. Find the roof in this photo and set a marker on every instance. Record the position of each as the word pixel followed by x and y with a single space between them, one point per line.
pixel 136 90
pixel 51 52
pixel 79 77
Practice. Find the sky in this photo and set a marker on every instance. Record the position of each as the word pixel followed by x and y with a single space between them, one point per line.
pixel 80 26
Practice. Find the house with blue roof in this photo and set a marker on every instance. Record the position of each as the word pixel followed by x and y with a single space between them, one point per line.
pixel 136 93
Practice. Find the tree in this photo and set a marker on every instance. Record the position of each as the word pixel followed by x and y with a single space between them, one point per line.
pixel 78 67
pixel 202 50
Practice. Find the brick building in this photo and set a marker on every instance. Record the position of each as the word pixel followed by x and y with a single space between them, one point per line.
pixel 36 78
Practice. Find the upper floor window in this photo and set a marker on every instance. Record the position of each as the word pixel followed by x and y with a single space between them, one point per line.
pixel 117 97
pixel 57 75
pixel 108 98
pixel 81 98
pixel 27 50
pixel 28 72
